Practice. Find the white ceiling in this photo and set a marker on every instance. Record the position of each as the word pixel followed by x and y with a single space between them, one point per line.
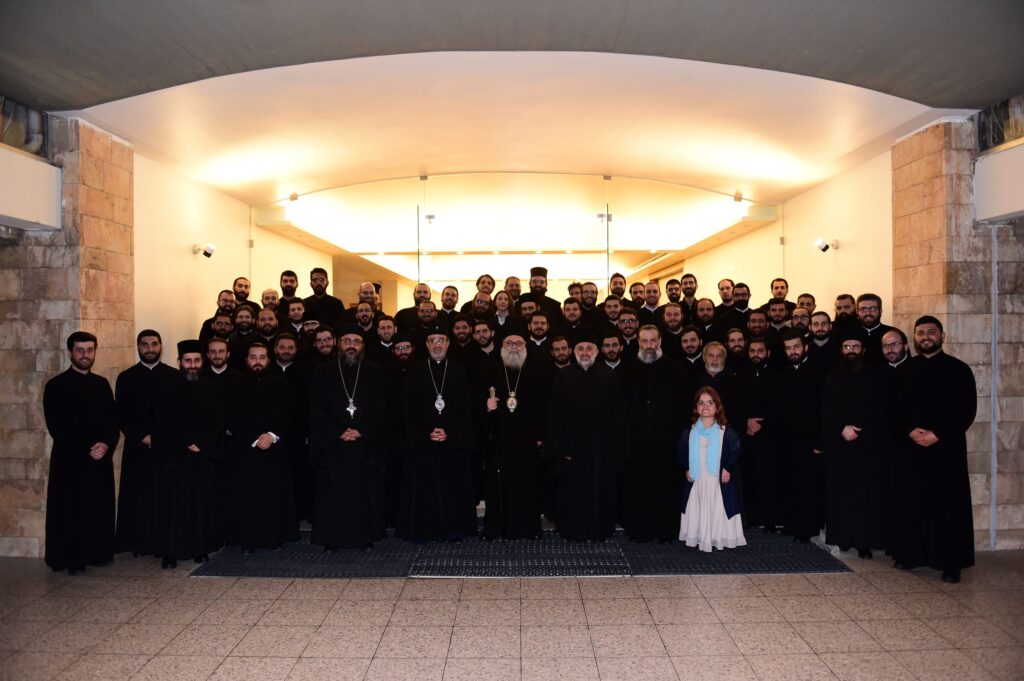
pixel 262 135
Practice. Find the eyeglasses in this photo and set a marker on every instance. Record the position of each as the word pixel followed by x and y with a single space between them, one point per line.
pixel 868 308
pixel 351 341
pixel 851 346
pixel 513 344
pixel 320 279
pixel 436 341
pixel 892 346
pixel 705 403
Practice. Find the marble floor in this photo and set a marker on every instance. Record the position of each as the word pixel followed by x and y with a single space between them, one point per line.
pixel 134 621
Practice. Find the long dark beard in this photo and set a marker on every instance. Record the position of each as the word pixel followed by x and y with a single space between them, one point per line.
pixel 854 364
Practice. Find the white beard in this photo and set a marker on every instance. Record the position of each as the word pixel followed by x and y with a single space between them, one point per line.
pixel 513 359
pixel 438 354
pixel 585 364
pixel 713 371
pixel 658 353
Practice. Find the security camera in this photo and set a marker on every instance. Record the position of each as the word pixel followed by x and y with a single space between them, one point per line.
pixel 207 250
pixel 821 245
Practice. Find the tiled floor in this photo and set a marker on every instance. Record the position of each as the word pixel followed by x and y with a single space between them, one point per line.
pixel 134 621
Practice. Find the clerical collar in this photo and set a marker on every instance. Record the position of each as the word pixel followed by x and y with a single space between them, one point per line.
pixel 538 341
pixel 219 371
pixel 297 327
pixel 676 332
pixel 693 360
pixel 651 309
pixel 899 362
pixel 873 328
pixel 742 310
pixel 617 363
pixel 386 345
pixel 778 327
pixel 284 367
pixel 488 349
pixel 802 362
pixel 149 366
pixel 244 333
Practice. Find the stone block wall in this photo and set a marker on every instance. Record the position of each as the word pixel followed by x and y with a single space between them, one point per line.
pixel 942 265
pixel 51 284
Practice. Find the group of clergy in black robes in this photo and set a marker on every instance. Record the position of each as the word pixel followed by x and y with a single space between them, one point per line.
pixel 532 410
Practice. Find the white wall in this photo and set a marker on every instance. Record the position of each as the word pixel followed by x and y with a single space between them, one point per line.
pixel 30 191
pixel 175 290
pixel 854 208
pixel 999 184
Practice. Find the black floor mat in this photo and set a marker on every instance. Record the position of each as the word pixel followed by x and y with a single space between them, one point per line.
pixel 550 556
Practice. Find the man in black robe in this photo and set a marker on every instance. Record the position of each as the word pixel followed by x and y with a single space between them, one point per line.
pixel 322 306
pixel 657 390
pixel 403 356
pixel 240 339
pixel 241 289
pixel 822 346
pixel 438 487
pixel 763 466
pixel 297 377
pixel 405 318
pixel 932 523
pixel 217 369
pixel 714 375
pixel 515 416
pixel 586 435
pixel 188 440
pixel 538 294
pixel 692 348
pixel 262 508
pixel 348 443
pixel 81 417
pixel 289 282
pixel 225 306
pixel 801 439
pixel 858 464
pixel 869 313
pixel 672 331
pixel 135 393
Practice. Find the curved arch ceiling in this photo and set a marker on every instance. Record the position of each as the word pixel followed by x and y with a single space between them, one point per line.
pixel 263 135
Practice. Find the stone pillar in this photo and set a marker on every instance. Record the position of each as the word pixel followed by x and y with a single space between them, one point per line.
pixel 942 266
pixel 51 284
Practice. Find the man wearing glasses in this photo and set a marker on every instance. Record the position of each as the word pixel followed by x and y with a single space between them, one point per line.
pixel 322 306
pixel 869 312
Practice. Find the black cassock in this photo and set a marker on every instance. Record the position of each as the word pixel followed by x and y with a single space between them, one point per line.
pixel 437 489
pixel 79 411
pixel 932 521
pixel 135 393
pixel 262 512
pixel 763 466
pixel 186 485
pixel 297 377
pixel 587 436
pixel 801 415
pixel 349 500
pixel 514 472
pixel 858 474
pixel 657 402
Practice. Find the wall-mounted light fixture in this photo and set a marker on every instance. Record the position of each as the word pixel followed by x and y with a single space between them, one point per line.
pixel 823 245
pixel 206 250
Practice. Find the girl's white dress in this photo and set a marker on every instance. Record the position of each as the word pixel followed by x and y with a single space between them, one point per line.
pixel 704 523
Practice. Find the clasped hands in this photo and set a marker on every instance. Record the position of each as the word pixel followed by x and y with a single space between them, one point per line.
pixel 925 438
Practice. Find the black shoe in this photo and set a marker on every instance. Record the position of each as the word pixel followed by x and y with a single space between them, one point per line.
pixel 951 576
pixel 169 563
pixel 201 559
pixel 76 570
pixel 865 553
pixel 844 549
pixel 902 566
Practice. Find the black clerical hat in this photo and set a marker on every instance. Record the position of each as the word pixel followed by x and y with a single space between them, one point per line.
pixel 539 272
pixel 347 329
pixel 400 337
pixel 514 327
pixel 587 335
pixel 434 330
pixel 187 346
pixel 852 332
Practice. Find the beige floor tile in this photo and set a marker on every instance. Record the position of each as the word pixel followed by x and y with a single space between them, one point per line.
pixel 989 603
pixel 415 642
pixel 767 638
pixel 178 667
pixel 790 668
pixel 115 610
pixel 145 587
pixel 346 613
pixel 608 587
pixel 207 640
pixel 808 609
pixel 482 612
pixel 836 637
pixel 329 669
pixel 726 586
pixel 257 588
pixel 559 669
pixel 35 666
pixel 72 637
pixel 681 610
pixel 627 640
pixel 485 641
pixel 297 612
pixel 682 640
pixel 482 669
pixel 785 585
pixel 373 589
pixel 971 632
pixel 538 612
pixel 91 667
pixel 201 588
pixel 636 669
pixel 432 589
pixel 712 668
pixel 905 635
pixel 491 589
pixel 872 666
pixel 679 586
pixel 316 589
pixel 898 581
pixel 274 641
pixel 234 611
pixel 171 611
pixel 617 611
pixel 254 669
pixel 931 604
pixel 423 613
pixel 49 608
pixel 1005 664
pixel 745 609
pixel 139 639
pixel 561 588
pixel 942 665
pixel 870 606
pixel 358 642
pixel 413 669
pixel 87 586
pixel 556 641
pixel 1012 625
pixel 15 635
pixel 845 584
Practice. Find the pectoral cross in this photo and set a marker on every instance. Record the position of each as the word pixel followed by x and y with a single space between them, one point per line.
pixel 351 408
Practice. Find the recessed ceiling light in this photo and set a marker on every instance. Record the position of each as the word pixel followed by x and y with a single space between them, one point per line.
pixel 568 252
pixel 460 252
